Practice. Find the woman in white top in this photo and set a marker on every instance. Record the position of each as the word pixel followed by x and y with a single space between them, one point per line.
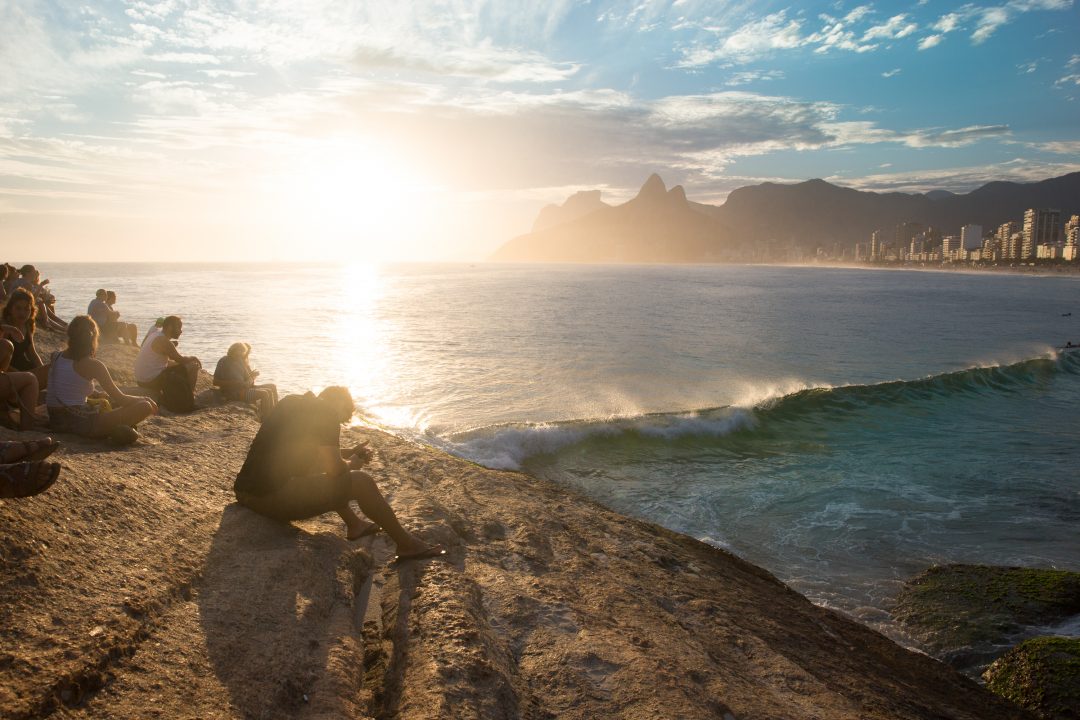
pixel 71 381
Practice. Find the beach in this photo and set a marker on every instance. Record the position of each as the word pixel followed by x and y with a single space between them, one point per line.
pixel 136 587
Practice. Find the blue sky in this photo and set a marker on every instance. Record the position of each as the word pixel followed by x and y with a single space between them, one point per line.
pixel 275 129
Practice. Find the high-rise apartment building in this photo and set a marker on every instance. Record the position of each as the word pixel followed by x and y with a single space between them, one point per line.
pixel 971 237
pixel 1004 236
pixel 1040 228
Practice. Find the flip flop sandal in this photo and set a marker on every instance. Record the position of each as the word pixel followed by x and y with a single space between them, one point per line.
pixel 435 551
pixel 32 450
pixel 41 449
pixel 26 478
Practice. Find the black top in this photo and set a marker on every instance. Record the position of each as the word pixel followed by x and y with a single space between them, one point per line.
pixel 23 358
pixel 285 445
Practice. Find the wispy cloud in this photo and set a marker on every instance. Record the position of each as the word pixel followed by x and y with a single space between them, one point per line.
pixel 891 73
pixel 752 76
pixel 983 22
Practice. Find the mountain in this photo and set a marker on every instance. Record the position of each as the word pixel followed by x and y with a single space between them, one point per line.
pixel 662 226
pixel 658 225
pixel 577 205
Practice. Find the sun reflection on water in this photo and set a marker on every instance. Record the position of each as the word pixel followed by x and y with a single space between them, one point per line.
pixel 365 331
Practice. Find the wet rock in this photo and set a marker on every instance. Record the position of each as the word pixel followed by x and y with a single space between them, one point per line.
pixel 966 615
pixel 1042 675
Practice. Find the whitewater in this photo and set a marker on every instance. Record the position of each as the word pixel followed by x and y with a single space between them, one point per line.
pixel 843 428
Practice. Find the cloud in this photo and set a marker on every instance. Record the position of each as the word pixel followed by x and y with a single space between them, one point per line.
pixel 891 73
pixel 930 41
pixel 483 61
pixel 858 31
pixel 898 26
pixel 986 21
pixel 960 180
pixel 752 76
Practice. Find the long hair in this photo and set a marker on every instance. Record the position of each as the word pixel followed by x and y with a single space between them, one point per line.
pixel 20 295
pixel 82 337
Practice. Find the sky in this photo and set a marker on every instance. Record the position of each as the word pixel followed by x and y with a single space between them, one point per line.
pixel 326 130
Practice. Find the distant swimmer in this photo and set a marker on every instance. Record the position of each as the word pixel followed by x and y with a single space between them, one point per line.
pixel 1068 314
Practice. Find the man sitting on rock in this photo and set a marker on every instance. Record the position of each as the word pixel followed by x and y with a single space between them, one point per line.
pixel 296 469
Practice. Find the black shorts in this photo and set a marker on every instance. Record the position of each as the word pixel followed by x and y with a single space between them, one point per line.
pixel 301 497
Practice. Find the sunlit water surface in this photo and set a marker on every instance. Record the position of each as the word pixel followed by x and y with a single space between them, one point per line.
pixel 842 428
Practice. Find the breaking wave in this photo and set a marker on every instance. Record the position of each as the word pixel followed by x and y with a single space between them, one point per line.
pixel 509 446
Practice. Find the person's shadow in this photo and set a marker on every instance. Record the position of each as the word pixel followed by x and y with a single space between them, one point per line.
pixel 276 608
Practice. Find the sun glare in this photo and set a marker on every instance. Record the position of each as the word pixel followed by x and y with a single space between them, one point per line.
pixel 353 197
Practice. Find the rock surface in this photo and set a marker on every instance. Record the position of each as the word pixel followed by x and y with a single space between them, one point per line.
pixel 136 588
pixel 1041 674
pixel 967 615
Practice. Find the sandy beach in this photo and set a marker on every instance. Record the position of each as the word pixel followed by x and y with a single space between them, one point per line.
pixel 137 588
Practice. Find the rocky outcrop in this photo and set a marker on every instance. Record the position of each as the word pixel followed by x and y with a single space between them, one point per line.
pixel 967 615
pixel 136 588
pixel 1042 675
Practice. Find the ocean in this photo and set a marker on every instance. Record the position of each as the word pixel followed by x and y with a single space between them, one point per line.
pixel 842 428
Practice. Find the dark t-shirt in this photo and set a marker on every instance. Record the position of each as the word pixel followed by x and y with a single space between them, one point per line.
pixel 285 445
pixel 23 357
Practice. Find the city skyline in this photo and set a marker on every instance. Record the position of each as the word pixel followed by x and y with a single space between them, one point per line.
pixel 203 130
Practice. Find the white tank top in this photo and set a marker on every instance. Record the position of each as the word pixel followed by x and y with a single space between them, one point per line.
pixel 66 386
pixel 150 363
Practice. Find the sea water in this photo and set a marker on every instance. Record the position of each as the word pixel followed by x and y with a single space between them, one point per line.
pixel 843 428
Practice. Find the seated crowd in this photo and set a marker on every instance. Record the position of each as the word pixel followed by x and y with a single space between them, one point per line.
pixel 295 468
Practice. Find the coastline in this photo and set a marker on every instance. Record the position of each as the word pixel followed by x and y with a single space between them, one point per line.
pixel 135 587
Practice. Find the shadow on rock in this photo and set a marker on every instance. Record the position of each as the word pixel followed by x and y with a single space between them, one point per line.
pixel 275 603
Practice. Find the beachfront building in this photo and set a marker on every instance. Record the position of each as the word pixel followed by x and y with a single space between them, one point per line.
pixel 949 245
pixel 1040 228
pixel 879 245
pixel 971 237
pixel 1072 238
pixel 1008 249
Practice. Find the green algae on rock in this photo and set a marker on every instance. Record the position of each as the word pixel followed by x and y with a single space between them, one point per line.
pixel 965 615
pixel 1042 675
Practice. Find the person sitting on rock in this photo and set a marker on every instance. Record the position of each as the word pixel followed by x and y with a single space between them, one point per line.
pixel 17 325
pixel 234 376
pixel 125 331
pixel 18 392
pixel 98 309
pixel 72 375
pixel 295 469
pixel 158 356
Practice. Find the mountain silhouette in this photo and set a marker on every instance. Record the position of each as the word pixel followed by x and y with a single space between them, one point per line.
pixel 661 225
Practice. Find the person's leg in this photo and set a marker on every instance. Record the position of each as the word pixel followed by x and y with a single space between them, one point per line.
pixel 372 503
pixel 22 387
pixel 130 415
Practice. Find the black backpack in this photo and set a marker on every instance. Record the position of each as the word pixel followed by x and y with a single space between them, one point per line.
pixel 177 395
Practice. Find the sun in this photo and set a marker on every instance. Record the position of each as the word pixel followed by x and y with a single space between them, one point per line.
pixel 354 197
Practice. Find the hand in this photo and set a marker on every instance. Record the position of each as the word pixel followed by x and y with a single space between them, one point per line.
pixel 254 373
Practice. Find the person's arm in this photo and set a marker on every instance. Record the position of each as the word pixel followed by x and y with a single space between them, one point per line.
pixel 35 359
pixel 94 369
pixel 357 456
pixel 164 346
pixel 11 333
pixel 328 459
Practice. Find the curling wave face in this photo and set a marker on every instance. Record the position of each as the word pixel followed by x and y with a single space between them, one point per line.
pixel 512 445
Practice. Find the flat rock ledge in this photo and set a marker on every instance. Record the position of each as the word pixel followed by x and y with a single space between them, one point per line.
pixel 137 588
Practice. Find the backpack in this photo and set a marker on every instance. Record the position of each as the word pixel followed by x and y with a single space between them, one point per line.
pixel 177 395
